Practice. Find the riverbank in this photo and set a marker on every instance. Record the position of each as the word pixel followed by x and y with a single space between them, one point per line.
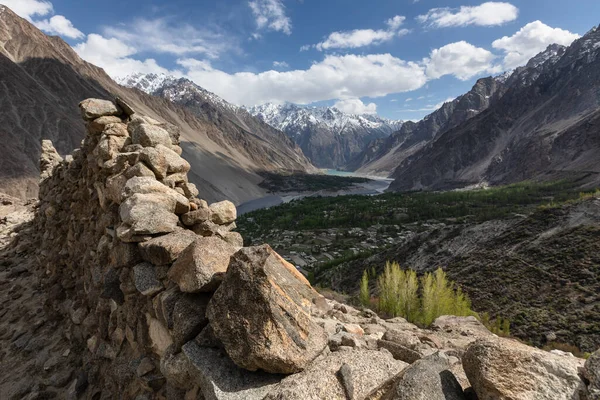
pixel 362 186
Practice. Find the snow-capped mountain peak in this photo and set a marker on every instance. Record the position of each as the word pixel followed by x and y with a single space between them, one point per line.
pixel 172 88
pixel 286 116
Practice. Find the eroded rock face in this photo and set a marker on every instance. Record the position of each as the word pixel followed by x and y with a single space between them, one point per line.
pixel 261 313
pixel 506 369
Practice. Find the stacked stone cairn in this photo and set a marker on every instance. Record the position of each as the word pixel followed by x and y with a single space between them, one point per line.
pixel 170 305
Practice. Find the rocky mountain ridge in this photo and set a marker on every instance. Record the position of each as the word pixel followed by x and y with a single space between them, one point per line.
pixel 383 156
pixel 329 137
pixel 542 127
pixel 42 78
pixel 168 304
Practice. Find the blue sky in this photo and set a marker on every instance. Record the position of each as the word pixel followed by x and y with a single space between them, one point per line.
pixel 398 58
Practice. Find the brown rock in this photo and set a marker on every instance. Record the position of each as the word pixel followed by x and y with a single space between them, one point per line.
pixel 96 108
pixel 261 313
pixel 223 212
pixel 150 135
pixel 196 217
pixel 98 125
pixel 201 266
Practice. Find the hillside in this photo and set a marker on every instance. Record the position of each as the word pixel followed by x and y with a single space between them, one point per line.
pixel 42 80
pixel 526 252
pixel 544 127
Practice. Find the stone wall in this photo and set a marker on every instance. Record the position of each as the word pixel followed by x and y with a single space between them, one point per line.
pixel 160 300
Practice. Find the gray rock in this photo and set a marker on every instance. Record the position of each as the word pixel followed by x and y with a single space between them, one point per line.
pixel 127 109
pixel 177 368
pixel 220 379
pixel 592 374
pixel 267 303
pixel 428 379
pixel 399 352
pixel 150 135
pixel 506 369
pixel 144 367
pixel 155 160
pixel 165 249
pixel 201 266
pixel 49 159
pixel 96 108
pixel 223 212
pixel 146 281
pixel 189 317
pixel 352 374
pixel 149 213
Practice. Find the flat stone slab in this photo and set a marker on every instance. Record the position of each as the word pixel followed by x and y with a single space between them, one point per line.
pixel 220 379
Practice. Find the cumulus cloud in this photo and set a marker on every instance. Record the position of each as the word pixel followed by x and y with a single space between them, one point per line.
pixel 362 37
pixel 355 106
pixel 59 25
pixel 270 15
pixel 114 56
pixel 530 40
pixel 486 14
pixel 461 59
pixel 165 35
pixel 29 8
pixel 336 77
pixel 56 25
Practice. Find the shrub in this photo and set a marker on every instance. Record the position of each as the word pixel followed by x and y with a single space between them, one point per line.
pixel 365 295
pixel 399 295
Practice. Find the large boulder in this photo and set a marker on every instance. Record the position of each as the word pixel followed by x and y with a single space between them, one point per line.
pixel 201 266
pixel 261 313
pixel 429 378
pixel 506 369
pixel 351 374
pixel 221 379
pixel 96 108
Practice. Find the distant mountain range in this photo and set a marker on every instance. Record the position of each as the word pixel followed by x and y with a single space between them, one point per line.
pixel 326 135
pixel 42 80
pixel 540 121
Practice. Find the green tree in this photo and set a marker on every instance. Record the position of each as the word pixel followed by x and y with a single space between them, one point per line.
pixel 365 295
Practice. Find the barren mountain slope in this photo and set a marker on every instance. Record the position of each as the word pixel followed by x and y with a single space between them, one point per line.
pixel 41 82
pixel 544 126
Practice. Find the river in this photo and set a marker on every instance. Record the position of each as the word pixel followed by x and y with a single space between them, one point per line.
pixel 376 185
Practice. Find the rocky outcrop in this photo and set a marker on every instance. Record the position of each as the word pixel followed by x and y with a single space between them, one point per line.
pixel 131 287
pixel 507 369
pixel 261 313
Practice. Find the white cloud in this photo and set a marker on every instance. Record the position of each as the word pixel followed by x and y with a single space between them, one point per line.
pixel 59 25
pixel 56 25
pixel 113 56
pixel 408 100
pixel 486 14
pixel 530 40
pixel 355 106
pixel 461 59
pixel 29 8
pixel 280 64
pixel 336 77
pixel 362 37
pixel 165 35
pixel 270 15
